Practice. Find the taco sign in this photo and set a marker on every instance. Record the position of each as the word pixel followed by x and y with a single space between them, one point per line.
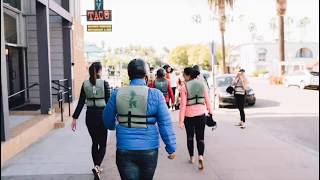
pixel 99 14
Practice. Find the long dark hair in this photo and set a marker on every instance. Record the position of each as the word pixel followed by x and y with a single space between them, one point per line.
pixel 193 73
pixel 93 72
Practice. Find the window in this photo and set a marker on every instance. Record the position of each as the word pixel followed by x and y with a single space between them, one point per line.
pixel 304 53
pixel 14 3
pixel 262 54
pixel 10 29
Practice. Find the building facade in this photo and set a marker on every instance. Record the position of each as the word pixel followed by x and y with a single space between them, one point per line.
pixel 262 56
pixel 41 44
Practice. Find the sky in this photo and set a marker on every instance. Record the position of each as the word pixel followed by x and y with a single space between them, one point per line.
pixel 169 23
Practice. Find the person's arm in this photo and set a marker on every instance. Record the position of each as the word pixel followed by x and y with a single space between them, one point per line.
pixel 170 93
pixel 81 102
pixel 110 112
pixel 164 122
pixel 207 101
pixel 107 91
pixel 183 104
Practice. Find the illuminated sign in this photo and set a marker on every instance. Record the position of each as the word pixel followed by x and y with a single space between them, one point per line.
pixel 99 15
pixel 98 4
pixel 99 28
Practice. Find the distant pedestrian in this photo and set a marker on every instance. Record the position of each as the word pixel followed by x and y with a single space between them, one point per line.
pixel 141 115
pixel 180 83
pixel 151 76
pixel 195 103
pixel 164 86
pixel 168 69
pixel 173 81
pixel 95 92
pixel 240 84
pixel 201 76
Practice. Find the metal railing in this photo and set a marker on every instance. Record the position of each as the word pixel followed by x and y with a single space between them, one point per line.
pixel 63 92
pixel 23 90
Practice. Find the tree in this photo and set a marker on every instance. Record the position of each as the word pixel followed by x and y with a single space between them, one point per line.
pixel 189 55
pixel 302 24
pixel 288 22
pixel 273 26
pixel 281 10
pixel 221 6
pixel 179 55
pixel 253 30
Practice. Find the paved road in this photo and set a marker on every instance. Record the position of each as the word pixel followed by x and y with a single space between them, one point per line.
pixel 278 144
pixel 290 114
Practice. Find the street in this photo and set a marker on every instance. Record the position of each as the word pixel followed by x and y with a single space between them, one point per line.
pixel 290 114
pixel 279 143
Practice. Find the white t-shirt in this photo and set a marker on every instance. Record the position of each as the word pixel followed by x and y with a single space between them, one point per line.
pixel 173 80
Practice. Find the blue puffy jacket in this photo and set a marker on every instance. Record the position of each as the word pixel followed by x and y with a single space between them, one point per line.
pixel 143 138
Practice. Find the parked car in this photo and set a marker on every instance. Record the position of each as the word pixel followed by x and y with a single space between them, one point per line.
pixel 302 79
pixel 223 98
pixel 208 77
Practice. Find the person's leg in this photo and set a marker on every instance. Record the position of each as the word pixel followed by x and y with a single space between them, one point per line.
pixel 199 130
pixel 190 135
pixel 91 129
pixel 174 91
pixel 127 168
pixel 238 105
pixel 102 134
pixel 168 104
pixel 241 108
pixel 148 164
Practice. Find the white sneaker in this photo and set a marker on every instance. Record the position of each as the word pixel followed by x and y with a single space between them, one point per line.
pixel 243 125
pixel 240 123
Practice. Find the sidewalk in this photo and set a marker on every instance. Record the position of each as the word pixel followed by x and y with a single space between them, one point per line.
pixel 231 154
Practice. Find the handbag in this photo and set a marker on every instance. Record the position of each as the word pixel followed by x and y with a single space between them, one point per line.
pixel 230 89
pixel 210 122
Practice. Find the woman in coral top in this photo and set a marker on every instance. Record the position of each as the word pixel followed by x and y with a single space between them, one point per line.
pixel 195 103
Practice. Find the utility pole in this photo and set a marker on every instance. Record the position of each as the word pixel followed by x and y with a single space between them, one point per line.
pixel 213 67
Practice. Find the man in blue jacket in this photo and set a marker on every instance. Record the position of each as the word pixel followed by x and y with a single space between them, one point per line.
pixel 141 113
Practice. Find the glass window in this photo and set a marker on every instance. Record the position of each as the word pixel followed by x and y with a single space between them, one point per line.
pixel 10 26
pixel 304 53
pixel 262 54
pixel 13 3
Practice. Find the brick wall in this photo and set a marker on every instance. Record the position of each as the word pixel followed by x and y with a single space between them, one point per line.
pixel 80 68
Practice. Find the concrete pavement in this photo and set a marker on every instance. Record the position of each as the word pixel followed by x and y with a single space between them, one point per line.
pixel 231 154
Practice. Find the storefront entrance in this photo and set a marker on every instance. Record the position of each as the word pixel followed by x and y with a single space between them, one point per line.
pixel 16 75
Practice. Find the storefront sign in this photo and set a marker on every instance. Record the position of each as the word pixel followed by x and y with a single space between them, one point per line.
pixel 99 28
pixel 98 4
pixel 99 15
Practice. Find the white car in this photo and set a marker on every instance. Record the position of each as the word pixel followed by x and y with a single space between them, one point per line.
pixel 302 79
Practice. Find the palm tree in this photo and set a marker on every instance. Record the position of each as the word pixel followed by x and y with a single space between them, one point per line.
pixel 221 6
pixel 281 10
pixel 252 27
pixel 273 26
pixel 289 21
pixel 302 24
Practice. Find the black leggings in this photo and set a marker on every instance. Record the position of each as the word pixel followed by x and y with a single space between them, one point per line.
pixel 195 125
pixel 240 101
pixel 98 135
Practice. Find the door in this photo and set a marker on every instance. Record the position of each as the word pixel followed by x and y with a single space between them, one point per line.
pixel 15 75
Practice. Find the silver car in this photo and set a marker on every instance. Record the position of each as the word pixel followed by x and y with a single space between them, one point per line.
pixel 302 79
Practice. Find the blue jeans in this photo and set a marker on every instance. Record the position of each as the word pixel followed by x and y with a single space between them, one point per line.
pixel 137 165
